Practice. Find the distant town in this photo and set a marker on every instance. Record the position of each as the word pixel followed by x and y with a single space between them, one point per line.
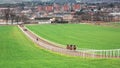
pixel 38 12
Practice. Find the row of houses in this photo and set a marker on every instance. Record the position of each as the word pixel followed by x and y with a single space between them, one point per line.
pixel 65 13
pixel 57 7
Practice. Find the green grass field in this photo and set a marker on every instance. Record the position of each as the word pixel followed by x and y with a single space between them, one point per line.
pixel 115 24
pixel 18 51
pixel 82 35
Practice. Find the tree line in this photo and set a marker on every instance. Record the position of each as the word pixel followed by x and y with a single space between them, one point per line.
pixel 10 15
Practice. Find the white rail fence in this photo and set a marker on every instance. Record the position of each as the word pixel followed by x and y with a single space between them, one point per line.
pixel 112 53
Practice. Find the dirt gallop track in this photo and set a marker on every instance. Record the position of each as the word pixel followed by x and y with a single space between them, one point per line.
pixel 53 47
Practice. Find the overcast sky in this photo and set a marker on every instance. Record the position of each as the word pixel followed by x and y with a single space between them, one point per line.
pixel 14 1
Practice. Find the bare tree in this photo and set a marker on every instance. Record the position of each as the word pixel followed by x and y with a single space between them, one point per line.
pixel 6 14
pixel 23 18
pixel 12 16
pixel 17 19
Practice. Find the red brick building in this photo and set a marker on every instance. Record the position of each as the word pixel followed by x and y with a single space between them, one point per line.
pixel 57 7
pixel 66 7
pixel 39 8
pixel 49 8
pixel 76 7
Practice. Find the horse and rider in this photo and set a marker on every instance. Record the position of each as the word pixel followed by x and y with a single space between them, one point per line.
pixel 71 47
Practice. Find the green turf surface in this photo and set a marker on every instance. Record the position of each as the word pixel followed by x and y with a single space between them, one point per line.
pixel 17 51
pixel 115 24
pixel 82 35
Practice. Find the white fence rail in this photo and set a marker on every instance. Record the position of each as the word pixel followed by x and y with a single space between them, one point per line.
pixel 112 53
